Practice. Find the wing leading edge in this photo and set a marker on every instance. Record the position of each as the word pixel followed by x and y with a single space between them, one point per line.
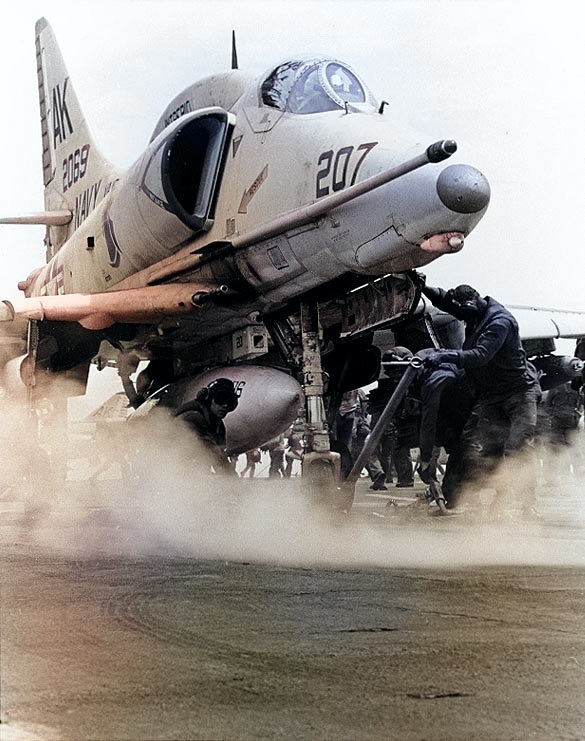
pixel 539 323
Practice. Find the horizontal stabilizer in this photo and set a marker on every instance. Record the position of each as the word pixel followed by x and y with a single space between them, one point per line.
pixel 44 218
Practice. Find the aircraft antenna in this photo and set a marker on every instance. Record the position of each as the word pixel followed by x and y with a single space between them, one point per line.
pixel 234 52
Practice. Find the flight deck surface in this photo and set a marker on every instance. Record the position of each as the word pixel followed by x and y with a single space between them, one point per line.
pixel 268 623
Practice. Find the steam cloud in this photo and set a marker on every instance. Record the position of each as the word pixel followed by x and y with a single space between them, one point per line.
pixel 133 489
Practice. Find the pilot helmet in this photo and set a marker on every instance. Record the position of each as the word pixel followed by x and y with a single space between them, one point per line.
pixel 223 392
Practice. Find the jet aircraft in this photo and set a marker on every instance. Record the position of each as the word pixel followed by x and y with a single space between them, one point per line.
pixel 264 234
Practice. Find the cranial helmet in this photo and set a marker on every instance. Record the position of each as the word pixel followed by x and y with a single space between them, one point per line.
pixel 471 304
pixel 223 392
pixel 463 293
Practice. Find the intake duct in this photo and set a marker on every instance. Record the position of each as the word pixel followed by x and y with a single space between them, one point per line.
pixel 171 192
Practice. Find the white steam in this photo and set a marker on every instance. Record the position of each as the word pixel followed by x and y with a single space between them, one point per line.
pixel 130 490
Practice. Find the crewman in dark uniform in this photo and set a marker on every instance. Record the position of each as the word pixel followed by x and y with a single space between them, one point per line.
pixel 446 402
pixel 503 419
pixel 205 415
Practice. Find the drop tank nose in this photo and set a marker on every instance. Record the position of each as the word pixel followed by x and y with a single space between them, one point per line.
pixel 463 189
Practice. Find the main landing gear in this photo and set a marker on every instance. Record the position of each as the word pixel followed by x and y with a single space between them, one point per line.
pixel 300 347
pixel 321 467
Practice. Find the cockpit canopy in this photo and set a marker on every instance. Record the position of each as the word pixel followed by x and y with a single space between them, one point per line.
pixel 313 86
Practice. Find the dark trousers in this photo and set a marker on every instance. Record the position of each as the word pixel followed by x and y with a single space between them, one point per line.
pixel 498 427
pixel 432 392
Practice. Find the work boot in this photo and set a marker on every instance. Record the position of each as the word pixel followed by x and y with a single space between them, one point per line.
pixel 425 472
pixel 378 483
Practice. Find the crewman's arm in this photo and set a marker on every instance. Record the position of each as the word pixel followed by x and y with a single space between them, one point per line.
pixel 487 345
pixel 442 301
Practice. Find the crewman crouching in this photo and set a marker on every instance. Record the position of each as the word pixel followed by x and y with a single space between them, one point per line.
pixel 205 415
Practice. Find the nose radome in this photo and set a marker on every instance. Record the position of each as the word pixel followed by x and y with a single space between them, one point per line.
pixel 463 189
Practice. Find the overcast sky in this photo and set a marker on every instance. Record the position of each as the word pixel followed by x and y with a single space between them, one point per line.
pixel 505 79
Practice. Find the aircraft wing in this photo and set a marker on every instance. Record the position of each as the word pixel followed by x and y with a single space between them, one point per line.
pixel 539 323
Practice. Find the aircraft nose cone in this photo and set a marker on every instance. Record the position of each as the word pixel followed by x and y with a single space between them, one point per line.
pixel 463 189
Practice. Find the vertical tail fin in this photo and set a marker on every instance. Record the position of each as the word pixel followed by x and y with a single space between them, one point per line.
pixel 75 173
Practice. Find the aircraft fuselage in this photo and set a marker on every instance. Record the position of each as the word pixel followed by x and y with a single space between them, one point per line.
pixel 259 163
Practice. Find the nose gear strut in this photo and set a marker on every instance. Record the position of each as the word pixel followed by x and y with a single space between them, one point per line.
pixel 321 467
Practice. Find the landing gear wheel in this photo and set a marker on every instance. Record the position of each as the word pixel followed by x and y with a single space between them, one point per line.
pixel 321 481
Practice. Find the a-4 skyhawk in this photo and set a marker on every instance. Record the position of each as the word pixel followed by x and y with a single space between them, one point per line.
pixel 263 235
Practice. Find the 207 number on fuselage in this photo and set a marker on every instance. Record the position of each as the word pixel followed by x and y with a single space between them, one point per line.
pixel 337 168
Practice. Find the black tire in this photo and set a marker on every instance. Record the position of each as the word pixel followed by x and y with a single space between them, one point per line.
pixel 320 482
